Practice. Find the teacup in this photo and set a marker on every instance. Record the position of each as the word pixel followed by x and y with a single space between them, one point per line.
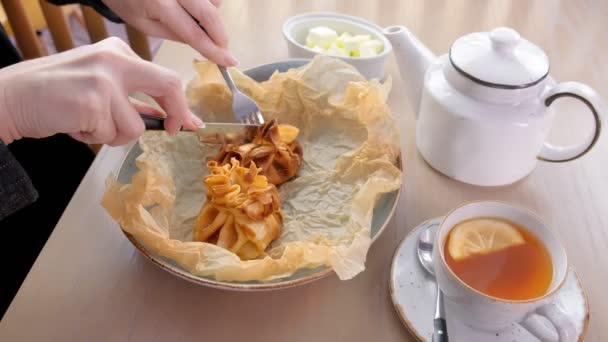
pixel 487 313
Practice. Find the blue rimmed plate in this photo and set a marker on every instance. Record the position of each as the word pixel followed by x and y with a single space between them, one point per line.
pixel 383 211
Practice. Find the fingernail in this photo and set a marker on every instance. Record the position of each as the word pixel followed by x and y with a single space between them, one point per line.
pixel 231 61
pixel 197 121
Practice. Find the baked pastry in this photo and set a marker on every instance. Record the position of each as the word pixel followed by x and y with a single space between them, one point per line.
pixel 272 147
pixel 242 212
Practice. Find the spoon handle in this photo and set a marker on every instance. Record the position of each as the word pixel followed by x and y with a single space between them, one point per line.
pixel 440 327
pixel 440 333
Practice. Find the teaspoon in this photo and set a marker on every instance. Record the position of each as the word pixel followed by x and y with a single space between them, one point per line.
pixel 425 255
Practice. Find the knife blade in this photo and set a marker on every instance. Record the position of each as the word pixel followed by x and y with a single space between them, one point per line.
pixel 156 123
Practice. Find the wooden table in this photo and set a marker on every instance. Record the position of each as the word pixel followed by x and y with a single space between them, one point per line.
pixel 90 284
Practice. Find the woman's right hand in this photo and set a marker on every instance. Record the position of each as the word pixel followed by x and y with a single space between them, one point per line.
pixel 84 92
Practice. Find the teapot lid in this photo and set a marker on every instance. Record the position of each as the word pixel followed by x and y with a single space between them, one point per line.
pixel 500 59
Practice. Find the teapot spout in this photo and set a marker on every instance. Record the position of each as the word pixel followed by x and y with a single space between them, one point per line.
pixel 413 59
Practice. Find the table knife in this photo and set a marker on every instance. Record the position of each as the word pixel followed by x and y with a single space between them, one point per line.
pixel 156 123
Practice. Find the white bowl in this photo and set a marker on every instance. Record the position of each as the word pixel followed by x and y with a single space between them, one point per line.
pixel 295 30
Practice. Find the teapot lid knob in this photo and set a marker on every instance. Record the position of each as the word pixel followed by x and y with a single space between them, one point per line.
pixel 500 58
pixel 504 38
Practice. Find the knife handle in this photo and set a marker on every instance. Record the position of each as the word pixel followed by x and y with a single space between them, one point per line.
pixel 440 333
pixel 153 123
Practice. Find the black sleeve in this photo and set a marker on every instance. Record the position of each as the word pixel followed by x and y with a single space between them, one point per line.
pixel 98 5
pixel 16 189
pixel 9 54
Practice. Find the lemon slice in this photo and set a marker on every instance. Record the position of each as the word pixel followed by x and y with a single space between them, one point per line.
pixel 482 236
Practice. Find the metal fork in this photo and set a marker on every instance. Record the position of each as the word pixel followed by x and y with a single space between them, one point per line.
pixel 245 110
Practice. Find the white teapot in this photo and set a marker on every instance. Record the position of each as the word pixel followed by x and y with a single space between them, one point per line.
pixel 483 109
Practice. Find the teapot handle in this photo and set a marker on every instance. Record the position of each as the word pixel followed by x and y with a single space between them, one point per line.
pixel 589 97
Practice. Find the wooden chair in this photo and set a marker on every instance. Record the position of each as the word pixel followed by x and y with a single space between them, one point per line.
pixel 24 18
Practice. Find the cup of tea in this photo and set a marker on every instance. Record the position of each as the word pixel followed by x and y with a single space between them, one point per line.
pixel 497 265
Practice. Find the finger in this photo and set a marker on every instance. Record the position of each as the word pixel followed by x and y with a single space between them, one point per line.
pixel 195 123
pixel 188 30
pixel 164 86
pixel 147 77
pixel 216 3
pixel 160 83
pixel 116 44
pixel 103 132
pixel 207 15
pixel 154 29
pixel 82 137
pixel 173 124
pixel 127 121
pixel 127 70
pixel 144 108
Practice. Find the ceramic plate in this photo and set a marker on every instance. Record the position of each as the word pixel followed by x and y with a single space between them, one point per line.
pixel 413 294
pixel 385 207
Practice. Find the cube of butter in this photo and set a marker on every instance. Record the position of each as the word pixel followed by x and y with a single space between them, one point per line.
pixel 321 36
pixel 342 38
pixel 351 45
pixel 370 48
pixel 335 50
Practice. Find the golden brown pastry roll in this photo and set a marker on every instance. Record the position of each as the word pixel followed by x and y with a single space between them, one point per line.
pixel 272 147
pixel 242 212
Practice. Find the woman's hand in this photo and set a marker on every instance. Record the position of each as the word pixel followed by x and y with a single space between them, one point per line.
pixel 172 19
pixel 84 92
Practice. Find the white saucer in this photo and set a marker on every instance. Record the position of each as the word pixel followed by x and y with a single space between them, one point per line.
pixel 413 294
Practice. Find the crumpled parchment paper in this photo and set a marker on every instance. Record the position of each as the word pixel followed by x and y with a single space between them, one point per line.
pixel 351 145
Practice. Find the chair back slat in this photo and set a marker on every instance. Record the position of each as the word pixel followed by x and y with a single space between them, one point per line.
pixel 139 43
pixel 94 23
pixel 56 18
pixel 58 26
pixel 25 35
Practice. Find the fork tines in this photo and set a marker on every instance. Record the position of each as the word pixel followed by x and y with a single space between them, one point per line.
pixel 254 118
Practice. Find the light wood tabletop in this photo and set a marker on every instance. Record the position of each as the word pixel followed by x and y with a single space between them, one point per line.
pixel 90 284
